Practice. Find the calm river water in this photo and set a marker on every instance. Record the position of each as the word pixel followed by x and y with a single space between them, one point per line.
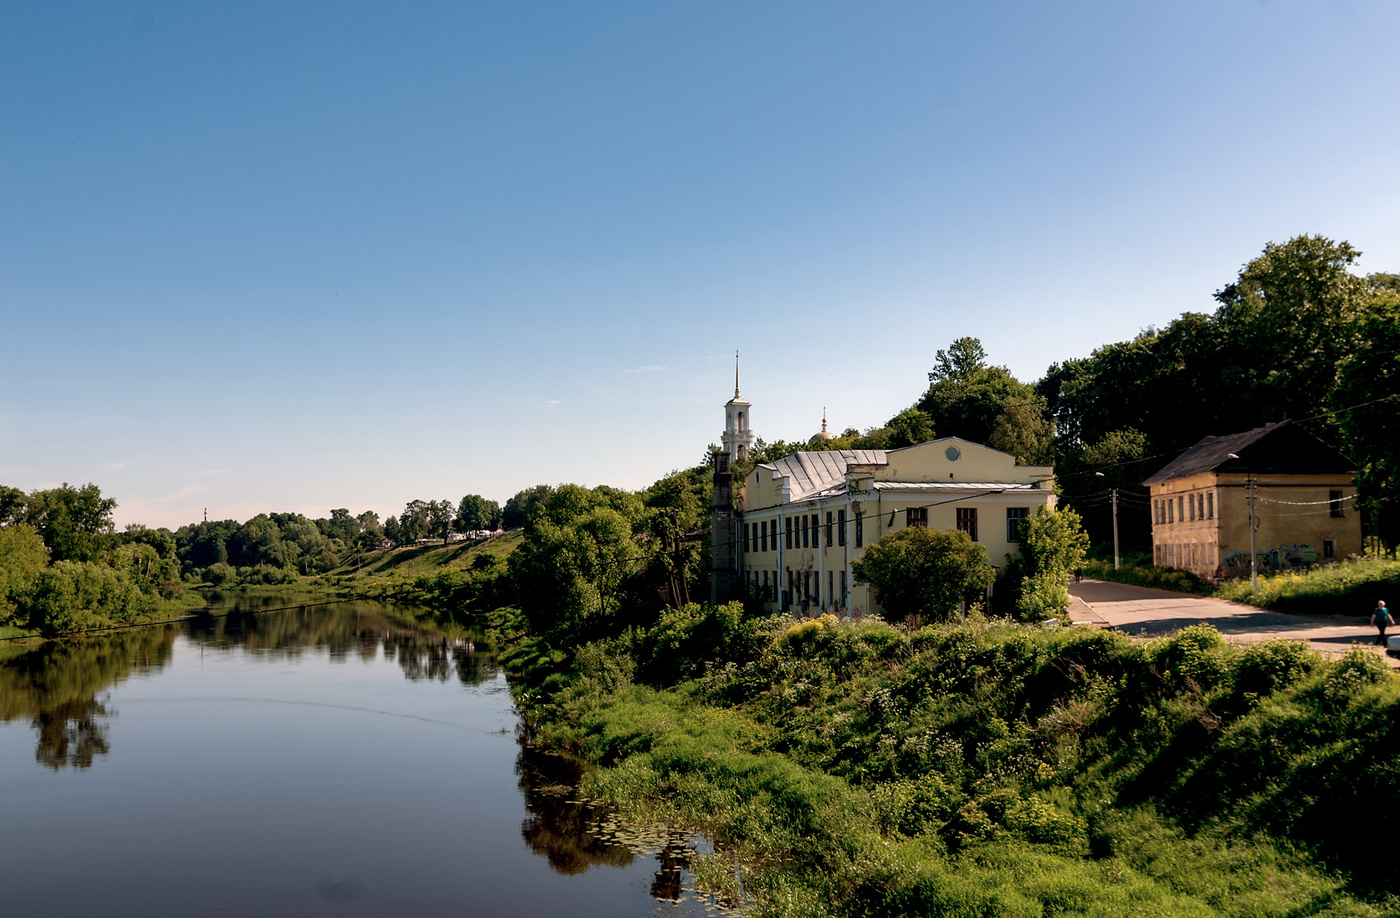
pixel 319 760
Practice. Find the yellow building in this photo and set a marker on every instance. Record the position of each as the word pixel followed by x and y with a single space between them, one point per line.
pixel 805 519
pixel 1303 495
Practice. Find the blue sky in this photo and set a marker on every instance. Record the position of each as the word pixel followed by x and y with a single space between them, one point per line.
pixel 313 255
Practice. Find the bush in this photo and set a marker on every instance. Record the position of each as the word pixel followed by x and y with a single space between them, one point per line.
pixel 923 572
pixel 686 639
pixel 220 573
pixel 1157 578
pixel 1044 595
pixel 81 595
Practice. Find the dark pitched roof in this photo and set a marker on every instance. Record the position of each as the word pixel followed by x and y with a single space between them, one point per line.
pixel 1279 447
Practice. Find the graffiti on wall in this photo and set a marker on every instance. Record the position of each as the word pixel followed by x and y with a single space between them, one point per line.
pixel 1282 558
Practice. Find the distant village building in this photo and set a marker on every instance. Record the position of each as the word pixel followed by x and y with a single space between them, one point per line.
pixel 1304 496
pixel 803 520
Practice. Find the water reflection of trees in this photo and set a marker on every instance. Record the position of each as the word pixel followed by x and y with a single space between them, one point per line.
pixel 567 833
pixel 359 630
pixel 57 685
pixel 558 828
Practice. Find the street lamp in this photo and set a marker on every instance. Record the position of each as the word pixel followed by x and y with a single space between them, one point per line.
pixel 1253 531
pixel 1115 523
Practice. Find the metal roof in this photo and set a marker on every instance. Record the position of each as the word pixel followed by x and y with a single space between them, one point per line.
pixel 812 471
pixel 954 486
pixel 1291 449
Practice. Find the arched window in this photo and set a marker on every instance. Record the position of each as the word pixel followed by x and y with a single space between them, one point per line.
pixel 741 420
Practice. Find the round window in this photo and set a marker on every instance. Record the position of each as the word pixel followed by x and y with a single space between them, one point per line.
pixel 952 454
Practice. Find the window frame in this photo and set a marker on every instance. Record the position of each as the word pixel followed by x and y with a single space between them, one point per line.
pixel 967 521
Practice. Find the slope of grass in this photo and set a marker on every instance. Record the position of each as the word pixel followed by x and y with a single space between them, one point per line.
pixel 986 769
pixel 1350 587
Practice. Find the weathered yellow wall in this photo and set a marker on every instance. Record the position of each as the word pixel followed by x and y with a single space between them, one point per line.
pixel 1287 533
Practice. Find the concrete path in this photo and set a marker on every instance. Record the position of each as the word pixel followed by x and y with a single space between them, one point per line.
pixel 1142 611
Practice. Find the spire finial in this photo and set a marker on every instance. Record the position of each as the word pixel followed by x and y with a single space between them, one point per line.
pixel 823 419
pixel 736 374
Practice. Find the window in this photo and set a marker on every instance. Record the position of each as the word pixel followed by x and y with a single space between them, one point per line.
pixel 843 588
pixel 967 521
pixel 830 584
pixel 1171 518
pixel 1210 506
pixel 1329 549
pixel 1191 510
pixel 1015 516
pixel 1200 506
pixel 829 534
pixel 841 526
pixel 746 538
pixel 816 531
pixel 1334 498
pixel 1181 509
pixel 763 536
pixel 804 530
pixel 860 527
pixel 916 516
pixel 787 534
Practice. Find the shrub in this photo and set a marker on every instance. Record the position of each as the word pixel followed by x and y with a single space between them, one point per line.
pixel 1044 595
pixel 1157 578
pixel 924 572
pixel 81 595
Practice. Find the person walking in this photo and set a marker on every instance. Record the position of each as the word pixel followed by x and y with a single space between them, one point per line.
pixel 1382 620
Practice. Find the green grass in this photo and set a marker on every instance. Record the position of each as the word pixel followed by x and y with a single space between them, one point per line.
pixel 987 769
pixel 1350 587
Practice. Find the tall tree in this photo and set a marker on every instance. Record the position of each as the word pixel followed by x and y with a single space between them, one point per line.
pixel 520 507
pixel 475 513
pixel 986 404
pixel 75 523
pixel 1367 399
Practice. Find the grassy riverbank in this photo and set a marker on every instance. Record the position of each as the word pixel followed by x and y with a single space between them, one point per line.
pixel 987 769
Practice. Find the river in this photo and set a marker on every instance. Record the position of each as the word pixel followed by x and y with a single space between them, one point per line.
pixel 314 759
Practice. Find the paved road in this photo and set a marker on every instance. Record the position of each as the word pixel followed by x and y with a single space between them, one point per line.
pixel 1139 610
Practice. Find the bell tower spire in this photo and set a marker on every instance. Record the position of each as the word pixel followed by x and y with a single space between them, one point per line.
pixel 738 438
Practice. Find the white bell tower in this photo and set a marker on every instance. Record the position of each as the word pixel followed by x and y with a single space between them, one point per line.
pixel 738 431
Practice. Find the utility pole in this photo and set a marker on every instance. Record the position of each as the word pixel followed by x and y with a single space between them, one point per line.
pixel 1115 529
pixel 1114 492
pixel 1253 529
pixel 1253 535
